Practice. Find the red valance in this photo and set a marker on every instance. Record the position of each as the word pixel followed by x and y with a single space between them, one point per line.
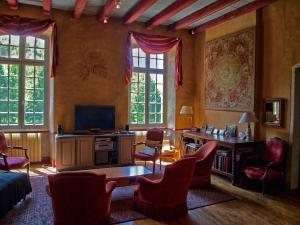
pixel 27 26
pixel 154 44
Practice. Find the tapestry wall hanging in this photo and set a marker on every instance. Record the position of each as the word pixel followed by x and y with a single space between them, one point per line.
pixel 230 72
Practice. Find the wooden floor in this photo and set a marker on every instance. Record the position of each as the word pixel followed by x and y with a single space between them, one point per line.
pixel 249 208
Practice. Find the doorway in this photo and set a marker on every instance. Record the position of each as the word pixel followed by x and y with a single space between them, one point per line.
pixel 295 128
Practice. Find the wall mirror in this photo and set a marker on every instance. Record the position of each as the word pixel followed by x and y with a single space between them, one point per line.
pixel 273 112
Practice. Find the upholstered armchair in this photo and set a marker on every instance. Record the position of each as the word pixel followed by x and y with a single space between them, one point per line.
pixel 205 156
pixel 269 165
pixel 165 198
pixel 80 197
pixel 154 140
pixel 9 163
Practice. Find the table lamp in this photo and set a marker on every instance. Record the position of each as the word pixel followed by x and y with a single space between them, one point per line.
pixel 187 111
pixel 248 117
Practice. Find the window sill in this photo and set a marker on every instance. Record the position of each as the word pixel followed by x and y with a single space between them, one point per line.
pixel 25 131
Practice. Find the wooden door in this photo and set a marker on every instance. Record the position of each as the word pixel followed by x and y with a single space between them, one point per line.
pixel 125 149
pixel 84 146
pixel 65 153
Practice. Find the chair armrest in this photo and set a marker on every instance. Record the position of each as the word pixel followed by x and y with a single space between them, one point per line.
pixel 110 186
pixel 48 190
pixel 3 155
pixel 147 183
pixel 17 147
pixel 139 143
pixel 20 148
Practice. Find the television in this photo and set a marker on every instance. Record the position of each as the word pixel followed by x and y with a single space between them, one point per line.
pixel 94 118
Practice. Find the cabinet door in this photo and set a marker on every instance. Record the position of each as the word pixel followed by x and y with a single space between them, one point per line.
pixel 65 153
pixel 84 146
pixel 125 150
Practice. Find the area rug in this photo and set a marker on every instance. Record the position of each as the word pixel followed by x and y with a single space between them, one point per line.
pixel 37 209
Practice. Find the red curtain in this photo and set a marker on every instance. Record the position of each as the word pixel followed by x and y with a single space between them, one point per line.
pixel 154 44
pixel 26 26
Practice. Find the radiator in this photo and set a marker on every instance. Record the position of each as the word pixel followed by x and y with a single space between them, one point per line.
pixel 32 141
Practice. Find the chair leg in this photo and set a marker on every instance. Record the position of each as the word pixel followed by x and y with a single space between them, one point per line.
pixel 145 163
pixel 28 169
pixel 160 163
pixel 153 167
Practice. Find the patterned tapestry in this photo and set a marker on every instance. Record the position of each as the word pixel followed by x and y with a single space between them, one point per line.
pixel 230 72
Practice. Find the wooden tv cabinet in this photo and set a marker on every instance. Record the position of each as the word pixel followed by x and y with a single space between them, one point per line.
pixel 73 151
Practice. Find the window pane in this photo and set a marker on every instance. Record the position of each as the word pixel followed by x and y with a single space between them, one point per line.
pixel 39 106
pixel 3 106
pixel 29 71
pixel 13 107
pixel 13 94
pixel 133 118
pixel 141 87
pixel 29 118
pixel 15 40
pixel 158 108
pixel 135 62
pixel 153 63
pixel 29 95
pixel 40 43
pixel 160 64
pixel 39 119
pixel 14 52
pixel 3 119
pixel 134 98
pixel 30 41
pixel 4 51
pixel 152 77
pixel 152 118
pixel 29 83
pixel 142 62
pixel 39 82
pixel 29 53
pixel 4 39
pixel 40 54
pixel 3 69
pixel 3 82
pixel 39 94
pixel 14 70
pixel 152 108
pixel 160 56
pixel 141 53
pixel 141 77
pixel 160 78
pixel 29 106
pixel 158 118
pixel 13 119
pixel 134 77
pixel 3 94
pixel 141 108
pixel 135 52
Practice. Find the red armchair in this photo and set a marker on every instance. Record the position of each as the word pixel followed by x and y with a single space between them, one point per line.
pixel 8 163
pixel 165 198
pixel 80 197
pixel 154 139
pixel 269 166
pixel 205 156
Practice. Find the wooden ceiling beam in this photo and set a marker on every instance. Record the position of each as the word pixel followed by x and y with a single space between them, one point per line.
pixel 202 13
pixel 168 12
pixel 107 9
pixel 233 14
pixel 47 7
pixel 137 10
pixel 13 4
pixel 78 9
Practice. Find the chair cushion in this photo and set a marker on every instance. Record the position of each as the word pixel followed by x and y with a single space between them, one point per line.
pixel 257 173
pixel 14 162
pixel 147 151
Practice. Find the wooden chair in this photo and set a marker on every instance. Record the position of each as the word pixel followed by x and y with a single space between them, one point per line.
pixel 154 140
pixel 9 163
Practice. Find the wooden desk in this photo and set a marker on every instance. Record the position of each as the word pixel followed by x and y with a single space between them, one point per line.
pixel 232 143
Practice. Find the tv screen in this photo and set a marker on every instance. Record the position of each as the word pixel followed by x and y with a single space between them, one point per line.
pixel 89 117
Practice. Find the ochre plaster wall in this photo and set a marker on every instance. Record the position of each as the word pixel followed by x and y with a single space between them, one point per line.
pixel 88 45
pixel 218 119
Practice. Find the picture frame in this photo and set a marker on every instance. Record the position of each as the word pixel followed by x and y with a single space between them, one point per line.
pixel 216 131
pixel 203 128
pixel 231 130
pixel 209 130
pixel 221 132
pixel 242 135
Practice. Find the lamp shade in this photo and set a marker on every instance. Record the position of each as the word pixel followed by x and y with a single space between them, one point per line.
pixel 186 110
pixel 248 117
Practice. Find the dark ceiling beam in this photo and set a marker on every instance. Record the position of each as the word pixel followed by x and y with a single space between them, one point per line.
pixel 202 13
pixel 47 7
pixel 233 14
pixel 137 10
pixel 13 4
pixel 168 12
pixel 78 9
pixel 107 9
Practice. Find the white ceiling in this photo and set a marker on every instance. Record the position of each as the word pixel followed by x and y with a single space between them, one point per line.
pixel 93 7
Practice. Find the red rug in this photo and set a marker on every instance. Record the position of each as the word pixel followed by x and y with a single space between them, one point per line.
pixel 37 209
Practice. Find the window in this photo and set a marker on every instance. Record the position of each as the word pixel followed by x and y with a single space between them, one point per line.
pixel 147 90
pixel 23 82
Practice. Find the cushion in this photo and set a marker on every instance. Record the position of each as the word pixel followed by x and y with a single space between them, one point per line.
pixel 14 162
pixel 257 173
pixel 143 156
pixel 148 151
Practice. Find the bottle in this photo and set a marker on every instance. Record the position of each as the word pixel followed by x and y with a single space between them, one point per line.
pixel 59 130
pixel 127 127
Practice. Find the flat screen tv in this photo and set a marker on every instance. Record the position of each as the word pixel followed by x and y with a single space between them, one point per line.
pixel 94 117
